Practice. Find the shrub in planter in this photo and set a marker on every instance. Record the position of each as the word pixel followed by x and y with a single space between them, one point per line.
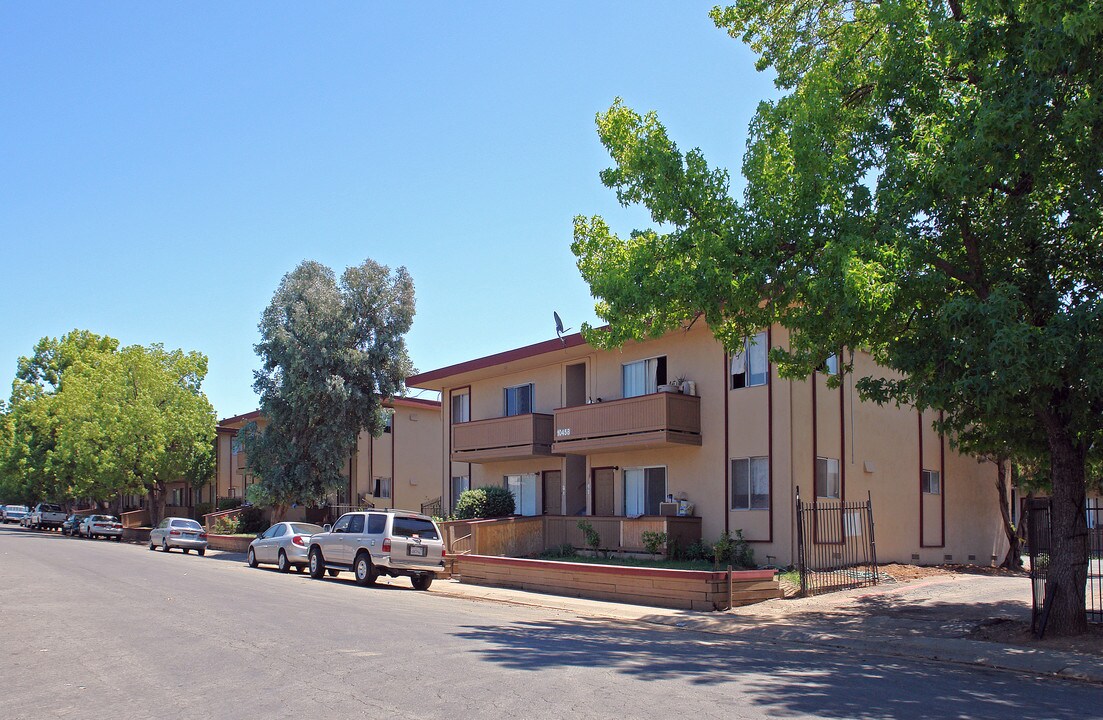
pixel 228 503
pixel 225 526
pixel 202 509
pixel 487 502
pixel 653 541
pixel 251 520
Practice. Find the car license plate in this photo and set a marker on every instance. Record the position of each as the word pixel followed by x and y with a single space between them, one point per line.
pixel 189 536
pixel 418 550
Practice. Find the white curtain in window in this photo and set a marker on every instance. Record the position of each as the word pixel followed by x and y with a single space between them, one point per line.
pixel 760 483
pixel 634 492
pixel 739 361
pixel 639 378
pixel 523 488
pixel 757 360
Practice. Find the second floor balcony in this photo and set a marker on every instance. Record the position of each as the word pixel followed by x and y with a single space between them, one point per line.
pixel 647 421
pixel 517 437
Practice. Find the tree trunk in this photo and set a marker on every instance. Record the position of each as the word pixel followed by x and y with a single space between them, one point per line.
pixel 278 513
pixel 1014 558
pixel 1067 573
pixel 156 503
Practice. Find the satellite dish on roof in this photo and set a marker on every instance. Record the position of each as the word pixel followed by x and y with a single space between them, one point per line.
pixel 559 329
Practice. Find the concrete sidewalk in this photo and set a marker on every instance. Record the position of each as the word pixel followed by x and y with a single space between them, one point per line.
pixel 926 619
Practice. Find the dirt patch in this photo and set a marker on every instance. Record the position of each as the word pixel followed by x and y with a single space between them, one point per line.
pixel 904 573
pixel 1017 632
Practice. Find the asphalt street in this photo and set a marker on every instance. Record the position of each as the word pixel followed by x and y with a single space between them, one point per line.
pixel 99 629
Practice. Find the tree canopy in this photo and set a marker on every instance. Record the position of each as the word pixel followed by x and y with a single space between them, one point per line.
pixel 332 352
pixel 89 420
pixel 928 187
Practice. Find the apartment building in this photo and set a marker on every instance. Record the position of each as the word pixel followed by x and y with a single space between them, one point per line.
pixel 400 468
pixel 574 430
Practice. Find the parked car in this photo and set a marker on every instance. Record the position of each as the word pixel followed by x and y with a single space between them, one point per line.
pixel 183 533
pixel 46 516
pixel 14 513
pixel 379 542
pixel 287 544
pixel 25 521
pixel 71 526
pixel 95 526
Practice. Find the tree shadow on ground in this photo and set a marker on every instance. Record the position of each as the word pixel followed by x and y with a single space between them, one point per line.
pixel 779 677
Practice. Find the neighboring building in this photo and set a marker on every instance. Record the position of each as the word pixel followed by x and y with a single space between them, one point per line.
pixel 400 468
pixel 579 431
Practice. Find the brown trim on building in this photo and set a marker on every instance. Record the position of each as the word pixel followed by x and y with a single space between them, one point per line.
pixel 447 491
pixel 394 479
pixel 842 435
pixel 244 417
pixel 412 403
pixel 727 452
pixel 528 351
pixel 919 415
pixel 770 428
pixel 942 478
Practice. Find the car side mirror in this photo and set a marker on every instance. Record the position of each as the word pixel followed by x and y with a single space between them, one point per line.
pixel 327 528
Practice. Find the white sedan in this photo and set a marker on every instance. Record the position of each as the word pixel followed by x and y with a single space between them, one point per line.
pixel 285 544
pixel 95 526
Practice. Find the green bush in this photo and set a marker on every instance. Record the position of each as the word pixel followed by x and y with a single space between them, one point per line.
pixel 251 520
pixel 485 502
pixel 225 526
pixel 228 503
pixel 736 551
pixel 566 550
pixel 696 550
pixel 653 541
pixel 593 537
pixel 202 509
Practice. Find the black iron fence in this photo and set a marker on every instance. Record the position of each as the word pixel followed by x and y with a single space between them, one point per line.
pixel 836 549
pixel 1039 545
pixel 431 508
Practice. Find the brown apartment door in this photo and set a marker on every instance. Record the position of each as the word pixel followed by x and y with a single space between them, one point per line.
pixel 553 492
pixel 603 493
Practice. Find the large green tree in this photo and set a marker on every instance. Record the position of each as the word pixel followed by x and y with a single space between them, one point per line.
pixel 140 421
pixel 928 186
pixel 34 458
pixel 332 352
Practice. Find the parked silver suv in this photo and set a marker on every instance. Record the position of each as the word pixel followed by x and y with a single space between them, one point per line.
pixel 380 542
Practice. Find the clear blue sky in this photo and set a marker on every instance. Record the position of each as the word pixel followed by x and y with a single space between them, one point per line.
pixel 163 164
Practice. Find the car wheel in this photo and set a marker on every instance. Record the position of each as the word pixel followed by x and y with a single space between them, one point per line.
pixel 164 544
pixel 281 562
pixel 201 552
pixel 252 559
pixel 118 538
pixel 152 546
pixel 422 582
pixel 186 551
pixel 317 564
pixel 333 572
pixel 364 570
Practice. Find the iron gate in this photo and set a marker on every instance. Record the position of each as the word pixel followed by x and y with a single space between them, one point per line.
pixel 836 549
pixel 1036 517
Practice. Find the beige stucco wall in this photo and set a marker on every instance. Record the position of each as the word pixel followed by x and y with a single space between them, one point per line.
pixel 790 422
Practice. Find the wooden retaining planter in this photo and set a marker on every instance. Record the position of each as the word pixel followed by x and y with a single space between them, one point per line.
pixel 658 587
pixel 230 543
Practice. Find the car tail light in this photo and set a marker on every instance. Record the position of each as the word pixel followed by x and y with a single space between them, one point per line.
pixel 443 552
pixel 386 544
pixel 174 532
pixel 202 536
pixel 298 540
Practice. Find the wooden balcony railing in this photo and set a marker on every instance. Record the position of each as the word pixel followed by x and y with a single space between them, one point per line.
pixel 507 438
pixel 647 421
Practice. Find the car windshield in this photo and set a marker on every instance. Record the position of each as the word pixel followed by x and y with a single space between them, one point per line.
pixel 103 518
pixel 305 529
pixel 51 508
pixel 17 508
pixel 188 524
